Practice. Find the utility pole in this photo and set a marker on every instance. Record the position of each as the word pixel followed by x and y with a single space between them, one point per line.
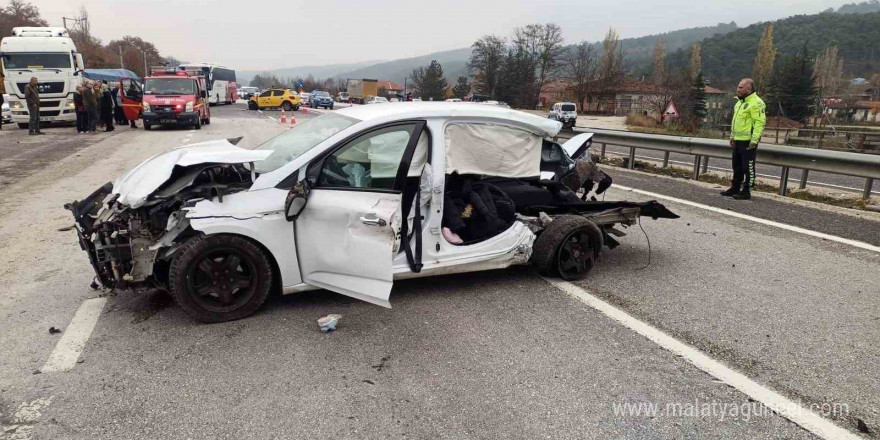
pixel 121 62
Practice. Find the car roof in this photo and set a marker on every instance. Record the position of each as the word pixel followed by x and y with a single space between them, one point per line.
pixel 458 110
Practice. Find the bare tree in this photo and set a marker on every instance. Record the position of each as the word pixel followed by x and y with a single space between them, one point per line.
pixel 827 70
pixel 696 65
pixel 763 66
pixel 658 76
pixel 19 13
pixel 550 52
pixel 612 66
pixel 486 60
pixel 580 66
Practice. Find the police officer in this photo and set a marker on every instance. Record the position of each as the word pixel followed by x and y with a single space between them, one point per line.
pixel 748 123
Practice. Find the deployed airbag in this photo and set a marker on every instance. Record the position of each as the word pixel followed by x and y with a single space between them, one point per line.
pixel 492 150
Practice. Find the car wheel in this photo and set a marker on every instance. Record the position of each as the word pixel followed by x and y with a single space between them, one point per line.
pixel 569 247
pixel 219 278
pixel 296 107
pixel 252 105
pixel 147 127
pixel 198 124
pixel 287 106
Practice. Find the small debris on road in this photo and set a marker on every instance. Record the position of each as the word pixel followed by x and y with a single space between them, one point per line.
pixel 328 322
pixel 66 228
pixel 863 427
pixel 54 331
pixel 368 381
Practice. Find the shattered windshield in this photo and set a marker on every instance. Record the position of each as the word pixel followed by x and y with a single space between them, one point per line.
pixel 300 139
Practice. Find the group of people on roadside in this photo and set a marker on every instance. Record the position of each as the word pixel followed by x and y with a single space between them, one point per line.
pixel 98 105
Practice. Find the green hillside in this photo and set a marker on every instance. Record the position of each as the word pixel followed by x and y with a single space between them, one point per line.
pixel 729 57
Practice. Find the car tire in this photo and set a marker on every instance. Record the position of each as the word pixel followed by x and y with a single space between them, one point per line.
pixel 252 105
pixel 560 251
pixel 198 124
pixel 147 126
pixel 287 106
pixel 296 107
pixel 198 267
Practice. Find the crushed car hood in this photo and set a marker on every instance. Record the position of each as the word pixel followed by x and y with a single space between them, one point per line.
pixel 135 186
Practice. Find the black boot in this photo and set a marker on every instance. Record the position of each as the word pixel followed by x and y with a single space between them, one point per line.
pixel 732 191
pixel 742 195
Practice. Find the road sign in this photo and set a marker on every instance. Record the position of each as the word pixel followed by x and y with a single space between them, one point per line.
pixel 671 111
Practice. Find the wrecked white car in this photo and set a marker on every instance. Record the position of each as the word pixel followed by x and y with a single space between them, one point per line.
pixel 350 201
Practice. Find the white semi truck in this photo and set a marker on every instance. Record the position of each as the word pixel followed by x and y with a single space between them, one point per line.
pixel 49 54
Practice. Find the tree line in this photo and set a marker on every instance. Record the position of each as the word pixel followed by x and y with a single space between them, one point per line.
pixel 130 52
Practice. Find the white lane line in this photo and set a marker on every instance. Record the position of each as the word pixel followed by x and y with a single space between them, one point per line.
pixel 855 243
pixel 75 336
pixel 24 419
pixel 270 118
pixel 774 401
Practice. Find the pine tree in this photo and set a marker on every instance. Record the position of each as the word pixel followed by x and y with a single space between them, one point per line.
pixel 793 88
pixel 659 74
pixel 429 83
pixel 763 66
pixel 697 99
pixel 462 87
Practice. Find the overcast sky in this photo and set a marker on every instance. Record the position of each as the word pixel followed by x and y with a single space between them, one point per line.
pixel 258 35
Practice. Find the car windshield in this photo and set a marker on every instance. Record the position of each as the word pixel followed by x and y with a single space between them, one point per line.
pixel 568 107
pixel 169 86
pixel 324 94
pixel 34 61
pixel 300 139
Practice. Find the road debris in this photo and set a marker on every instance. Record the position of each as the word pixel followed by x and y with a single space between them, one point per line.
pixel 54 331
pixel 328 322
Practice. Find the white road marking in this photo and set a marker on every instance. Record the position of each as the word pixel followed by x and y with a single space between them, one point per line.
pixel 780 404
pixel 75 336
pixel 24 419
pixel 270 118
pixel 855 243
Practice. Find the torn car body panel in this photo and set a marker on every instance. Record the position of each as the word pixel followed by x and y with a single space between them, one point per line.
pixel 136 186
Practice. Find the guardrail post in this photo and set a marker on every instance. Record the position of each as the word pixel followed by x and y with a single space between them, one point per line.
pixel 665 159
pixel 869 183
pixel 632 157
pixel 783 181
pixel 697 167
pixel 804 176
pixel 705 164
pixel 602 152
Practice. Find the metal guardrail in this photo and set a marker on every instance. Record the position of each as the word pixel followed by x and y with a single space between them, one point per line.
pixel 835 162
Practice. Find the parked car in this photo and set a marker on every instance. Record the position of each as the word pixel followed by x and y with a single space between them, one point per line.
pixel 377 100
pixel 453 100
pixel 349 201
pixel 6 112
pixel 305 97
pixel 247 92
pixel 564 112
pixel 342 97
pixel 320 98
pixel 275 98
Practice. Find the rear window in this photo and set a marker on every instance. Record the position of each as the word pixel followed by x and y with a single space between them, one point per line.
pixel 568 107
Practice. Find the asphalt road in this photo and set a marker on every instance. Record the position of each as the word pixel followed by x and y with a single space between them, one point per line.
pixel 500 354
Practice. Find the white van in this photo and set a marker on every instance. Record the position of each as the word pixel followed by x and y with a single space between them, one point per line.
pixel 565 112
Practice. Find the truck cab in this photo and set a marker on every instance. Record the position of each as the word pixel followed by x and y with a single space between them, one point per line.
pixel 48 54
pixel 175 98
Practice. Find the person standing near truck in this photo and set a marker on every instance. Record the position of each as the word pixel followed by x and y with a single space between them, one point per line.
pixel 81 119
pixel 748 123
pixel 32 98
pixel 90 103
pixel 2 92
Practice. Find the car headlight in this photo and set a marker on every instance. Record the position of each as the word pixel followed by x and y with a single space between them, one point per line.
pixel 146 106
pixel 189 106
pixel 16 105
pixel 71 105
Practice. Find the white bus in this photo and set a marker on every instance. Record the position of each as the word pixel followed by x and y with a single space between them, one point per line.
pixel 50 55
pixel 221 81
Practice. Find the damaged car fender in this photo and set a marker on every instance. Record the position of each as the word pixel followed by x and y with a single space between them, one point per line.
pixel 257 215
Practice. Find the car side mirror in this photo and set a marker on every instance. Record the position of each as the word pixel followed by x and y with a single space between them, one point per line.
pixel 296 200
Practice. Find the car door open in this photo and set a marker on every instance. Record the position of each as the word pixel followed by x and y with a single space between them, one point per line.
pixel 349 231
